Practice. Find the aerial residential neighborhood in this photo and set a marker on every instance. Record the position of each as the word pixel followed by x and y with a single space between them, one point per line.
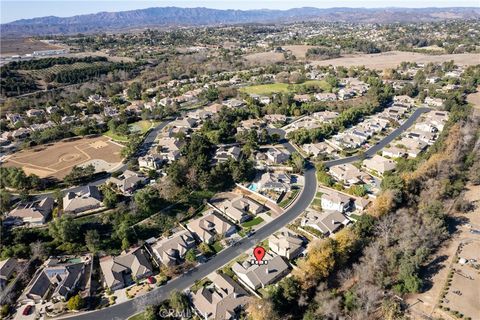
pixel 197 163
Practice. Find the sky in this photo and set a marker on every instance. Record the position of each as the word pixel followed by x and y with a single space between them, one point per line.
pixel 24 9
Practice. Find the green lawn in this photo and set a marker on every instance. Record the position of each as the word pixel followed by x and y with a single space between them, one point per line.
pixel 141 127
pixel 292 195
pixel 265 89
pixel 253 222
pixel 355 216
pixel 217 246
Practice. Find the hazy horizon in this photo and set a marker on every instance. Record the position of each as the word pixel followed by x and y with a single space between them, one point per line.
pixel 16 10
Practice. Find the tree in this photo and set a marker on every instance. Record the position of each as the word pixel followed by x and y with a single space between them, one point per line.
pixel 190 255
pixel 75 302
pixel 5 197
pixel 134 92
pixel 110 198
pixel 92 240
pixel 179 301
pixel 64 229
pixel 205 249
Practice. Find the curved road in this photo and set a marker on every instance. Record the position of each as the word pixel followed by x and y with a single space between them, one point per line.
pixel 128 308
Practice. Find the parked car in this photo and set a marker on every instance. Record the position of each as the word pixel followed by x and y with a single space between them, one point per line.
pixel 151 280
pixel 27 310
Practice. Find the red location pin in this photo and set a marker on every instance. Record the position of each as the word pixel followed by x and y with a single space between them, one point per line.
pixel 259 253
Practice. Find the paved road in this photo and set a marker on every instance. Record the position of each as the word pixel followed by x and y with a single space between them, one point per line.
pixel 385 141
pixel 130 307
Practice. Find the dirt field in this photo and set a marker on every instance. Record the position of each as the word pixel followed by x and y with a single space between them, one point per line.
pixel 394 58
pixel 23 46
pixel 264 57
pixel 299 51
pixel 57 159
pixel 474 98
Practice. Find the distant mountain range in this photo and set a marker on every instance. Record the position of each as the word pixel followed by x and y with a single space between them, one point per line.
pixel 174 16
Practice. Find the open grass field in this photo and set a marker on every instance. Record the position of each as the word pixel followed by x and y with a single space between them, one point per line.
pixel 141 127
pixel 18 46
pixel 394 58
pixel 265 89
pixel 57 159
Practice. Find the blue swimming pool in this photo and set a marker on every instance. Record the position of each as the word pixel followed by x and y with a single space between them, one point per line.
pixel 253 187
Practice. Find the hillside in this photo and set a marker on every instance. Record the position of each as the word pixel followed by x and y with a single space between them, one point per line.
pixel 174 16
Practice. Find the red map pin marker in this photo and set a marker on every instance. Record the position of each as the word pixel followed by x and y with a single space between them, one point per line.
pixel 259 253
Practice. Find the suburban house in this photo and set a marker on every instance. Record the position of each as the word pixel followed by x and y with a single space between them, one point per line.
pixel 7 268
pixel 88 198
pixel 394 152
pixel 404 99
pixel 222 300
pixel 413 146
pixel 315 149
pixel 184 122
pixel 325 116
pixel 279 182
pixel 433 102
pixel 150 161
pixel 327 222
pixel 258 276
pixel 210 225
pixel 120 271
pixel 286 244
pixel 233 103
pixel 379 164
pixel 127 182
pixel 335 201
pixel 325 96
pixel 172 250
pixel 347 173
pixel 275 118
pixel 223 154
pixel 238 209
pixel 57 279
pixel 33 213
pixel 276 156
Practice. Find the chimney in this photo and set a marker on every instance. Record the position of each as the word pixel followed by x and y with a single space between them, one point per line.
pixel 266 270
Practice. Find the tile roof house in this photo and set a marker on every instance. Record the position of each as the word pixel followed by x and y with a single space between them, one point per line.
pixel 222 154
pixel 222 300
pixel 57 280
pixel 33 213
pixel 172 250
pixel 286 244
pixel 316 149
pixel 211 224
pixel 327 222
pixel 88 198
pixel 379 164
pixel 258 276
pixel 238 209
pixel 413 146
pixel 128 181
pixel 276 156
pixel 347 173
pixel 121 270
pixel 7 268
pixel 279 182
pixel 274 118
pixel 394 152
pixel 150 161
pixel 335 201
